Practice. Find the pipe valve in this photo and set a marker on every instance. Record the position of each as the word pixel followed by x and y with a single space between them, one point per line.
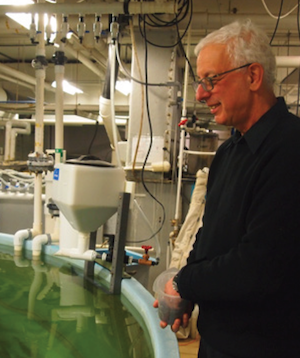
pixel 39 63
pixel 145 260
pixel 97 28
pixel 40 162
pixel 32 33
pixel 81 26
pixel 48 31
pixel 114 30
pixel 59 58
pixel 64 29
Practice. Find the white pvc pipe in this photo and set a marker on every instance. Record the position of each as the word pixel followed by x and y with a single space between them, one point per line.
pixel 44 239
pixel 84 60
pixel 182 140
pixel 198 153
pixel 8 127
pixel 19 238
pixel 39 129
pixel 95 8
pixel 186 75
pixel 37 205
pixel 37 243
pixel 39 111
pixel 208 21
pixel 69 49
pixel 10 137
pixel 59 113
pixel 17 81
pixel 81 252
pixel 14 133
pixel 179 179
pixel 288 61
pixel 89 255
pixel 56 231
pixel 22 76
pixel 106 116
pixel 112 99
pixel 98 50
pixel 83 242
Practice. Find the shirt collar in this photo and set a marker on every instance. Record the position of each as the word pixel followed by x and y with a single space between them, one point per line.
pixel 259 131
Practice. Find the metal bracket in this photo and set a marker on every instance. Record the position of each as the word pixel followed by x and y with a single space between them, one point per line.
pixel 119 244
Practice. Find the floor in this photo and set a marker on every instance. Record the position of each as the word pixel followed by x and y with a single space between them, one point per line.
pixel 188 348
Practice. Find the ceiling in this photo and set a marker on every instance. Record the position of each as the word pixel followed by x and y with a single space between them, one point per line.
pixel 86 62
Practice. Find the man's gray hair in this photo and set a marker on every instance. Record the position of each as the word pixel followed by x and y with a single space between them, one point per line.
pixel 246 43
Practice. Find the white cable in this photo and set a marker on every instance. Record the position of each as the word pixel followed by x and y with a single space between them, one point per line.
pixel 276 17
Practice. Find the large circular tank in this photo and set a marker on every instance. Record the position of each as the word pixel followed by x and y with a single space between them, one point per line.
pixel 60 314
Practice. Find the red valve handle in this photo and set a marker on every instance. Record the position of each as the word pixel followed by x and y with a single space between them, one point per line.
pixel 182 122
pixel 146 248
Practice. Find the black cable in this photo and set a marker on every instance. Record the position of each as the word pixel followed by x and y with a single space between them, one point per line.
pixel 179 42
pixel 277 23
pixel 150 144
pixel 178 18
pixel 171 45
pixel 192 74
pixel 182 13
pixel 159 22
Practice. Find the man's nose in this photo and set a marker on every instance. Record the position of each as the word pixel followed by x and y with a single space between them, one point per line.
pixel 201 94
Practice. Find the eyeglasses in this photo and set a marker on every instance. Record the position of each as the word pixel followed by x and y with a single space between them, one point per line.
pixel 207 83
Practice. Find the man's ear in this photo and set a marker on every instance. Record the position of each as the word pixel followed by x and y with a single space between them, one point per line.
pixel 256 75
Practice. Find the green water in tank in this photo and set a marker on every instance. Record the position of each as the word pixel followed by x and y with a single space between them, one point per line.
pixel 51 311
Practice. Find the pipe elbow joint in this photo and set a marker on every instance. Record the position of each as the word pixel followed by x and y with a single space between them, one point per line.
pixel 37 243
pixel 19 238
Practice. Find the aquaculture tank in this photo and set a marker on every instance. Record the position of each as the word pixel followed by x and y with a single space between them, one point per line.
pixel 49 309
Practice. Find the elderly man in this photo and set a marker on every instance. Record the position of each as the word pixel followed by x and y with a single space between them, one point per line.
pixel 244 269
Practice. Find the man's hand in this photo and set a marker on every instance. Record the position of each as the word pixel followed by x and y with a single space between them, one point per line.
pixel 182 321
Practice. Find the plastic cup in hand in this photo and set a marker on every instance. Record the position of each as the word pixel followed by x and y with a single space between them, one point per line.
pixel 169 307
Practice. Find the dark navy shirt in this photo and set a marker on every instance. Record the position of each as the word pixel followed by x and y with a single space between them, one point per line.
pixel 244 270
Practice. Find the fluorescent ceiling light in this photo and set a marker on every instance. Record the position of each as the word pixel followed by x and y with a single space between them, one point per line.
pixel 124 87
pixel 21 18
pixel 25 19
pixel 68 88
